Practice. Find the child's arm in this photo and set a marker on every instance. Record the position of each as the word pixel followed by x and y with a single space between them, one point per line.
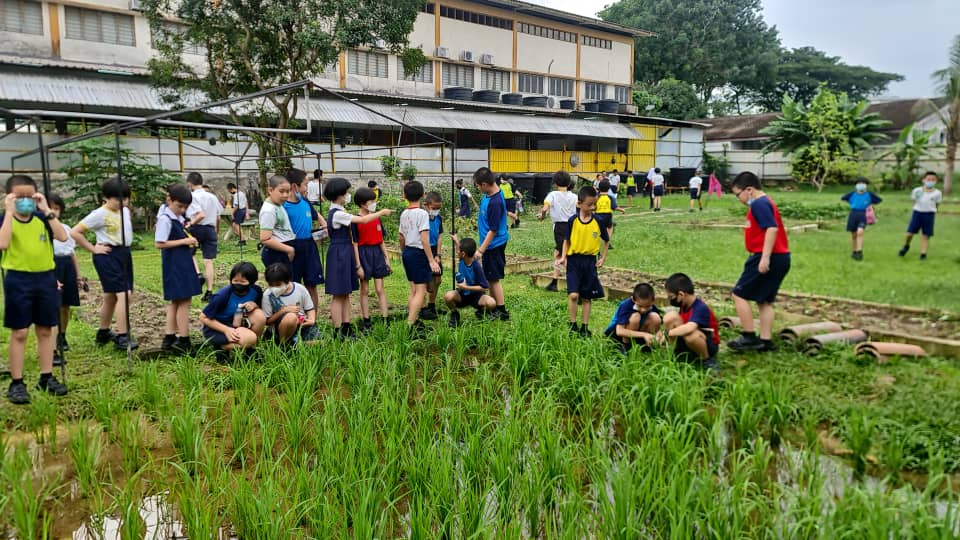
pixel 267 239
pixel 456 242
pixel 425 240
pixel 543 211
pixel 622 331
pixel 6 230
pixel 310 317
pixel 77 233
pixel 603 253
pixel 769 238
pixel 683 330
pixel 563 254
pixel 875 199
pixel 168 244
pixel 620 209
pixel 356 259
pixel 370 217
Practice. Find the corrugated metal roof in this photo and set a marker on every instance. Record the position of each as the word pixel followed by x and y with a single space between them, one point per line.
pixel 36 61
pixel 79 91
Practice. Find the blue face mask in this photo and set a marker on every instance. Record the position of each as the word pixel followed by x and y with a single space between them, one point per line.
pixel 26 205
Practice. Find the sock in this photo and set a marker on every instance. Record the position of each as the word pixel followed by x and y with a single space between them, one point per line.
pixel 170 336
pixel 44 377
pixel 366 320
pixel 16 381
pixel 749 334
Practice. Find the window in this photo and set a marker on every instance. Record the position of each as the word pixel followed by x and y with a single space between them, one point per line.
pixel 543 31
pixel 457 75
pixel 476 18
pixel 170 28
pixel 561 87
pixel 495 79
pixel 530 84
pixel 595 90
pixel 623 94
pixel 427 8
pixel 367 63
pixel 596 42
pixel 99 26
pixel 21 16
pixel 424 74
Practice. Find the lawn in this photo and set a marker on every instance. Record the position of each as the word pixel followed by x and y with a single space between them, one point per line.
pixel 514 429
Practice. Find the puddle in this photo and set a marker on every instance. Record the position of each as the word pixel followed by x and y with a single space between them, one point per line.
pixel 159 517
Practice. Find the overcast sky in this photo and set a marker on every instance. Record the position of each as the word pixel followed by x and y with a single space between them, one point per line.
pixel 909 37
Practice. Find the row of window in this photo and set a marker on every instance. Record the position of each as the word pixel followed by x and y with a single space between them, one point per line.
pixel 543 31
pixel 474 17
pixel 596 42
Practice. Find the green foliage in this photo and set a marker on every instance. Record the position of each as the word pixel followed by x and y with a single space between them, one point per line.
pixel 391 166
pixel 669 98
pixel 910 148
pixel 826 139
pixel 408 172
pixel 95 161
pixel 718 165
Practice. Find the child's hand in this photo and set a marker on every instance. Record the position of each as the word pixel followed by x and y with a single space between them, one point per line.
pixel 455 238
pixel 101 249
pixel 385 212
pixel 41 203
pixel 251 307
pixel 562 261
pixel 291 253
pixel 191 241
pixel 764 265
pixel 10 202
pixel 359 271
pixel 435 267
pixel 600 262
pixel 233 335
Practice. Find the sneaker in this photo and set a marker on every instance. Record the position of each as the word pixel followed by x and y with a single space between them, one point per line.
pixel 17 393
pixel 418 330
pixel 207 295
pixel 574 328
pixel 58 359
pixel 168 342
pixel 745 343
pixel 222 356
pixel 501 314
pixel 454 320
pixel 62 342
pixel 122 341
pixel 182 345
pixel 767 345
pixel 552 287
pixel 52 386
pixel 584 331
pixel 923 256
pixel 429 313
pixel 366 327
pixel 903 251
pixel 710 365
pixel 104 336
pixel 242 243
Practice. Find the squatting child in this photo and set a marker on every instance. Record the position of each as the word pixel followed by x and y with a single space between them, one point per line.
pixel 67 268
pixel 586 239
pixel 418 262
pixel 472 285
pixel 636 320
pixel 178 268
pixel 859 200
pixel 926 199
pixel 372 253
pixel 561 204
pixel 493 235
pixel 694 329
pixel 233 319
pixel 287 306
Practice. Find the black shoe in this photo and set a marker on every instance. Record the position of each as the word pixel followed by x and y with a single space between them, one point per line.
pixel 711 365
pixel 746 343
pixel 923 256
pixel 454 320
pixel 501 314
pixel 182 345
pixel 767 345
pixel 575 328
pixel 169 340
pixel 206 296
pixel 122 341
pixel 903 251
pixel 58 359
pixel 366 327
pixel 222 357
pixel 52 386
pixel 584 331
pixel 418 330
pixel 429 313
pixel 552 287
pixel 17 393
pixel 62 342
pixel 104 336
pixel 609 247
pixel 242 243
pixel 691 210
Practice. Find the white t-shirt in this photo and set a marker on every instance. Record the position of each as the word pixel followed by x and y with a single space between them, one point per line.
pixel 614 179
pixel 657 179
pixel 64 249
pixel 696 182
pixel 313 191
pixel 563 205
pixel 412 222
pixel 341 218
pixel 466 192
pixel 105 224
pixel 238 200
pixel 926 201
pixel 651 172
pixel 206 202
pixel 274 218
pixel 298 296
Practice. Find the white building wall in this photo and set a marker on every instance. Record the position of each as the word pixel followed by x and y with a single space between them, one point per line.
pixel 459 36
pixel 609 65
pixel 424 33
pixel 540 55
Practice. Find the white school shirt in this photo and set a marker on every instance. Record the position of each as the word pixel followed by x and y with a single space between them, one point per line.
pixel 657 179
pixel 614 179
pixel 206 202
pixel 563 205
pixel 926 201
pixel 341 218
pixel 274 218
pixel 412 222
pixel 696 182
pixel 105 225
pixel 64 249
pixel 164 226
pixel 238 200
pixel 313 191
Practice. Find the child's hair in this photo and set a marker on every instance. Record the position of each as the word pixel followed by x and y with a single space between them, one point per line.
pixel 277 273
pixel 459 182
pixel 115 188
pixel 295 176
pixel 484 175
pixel 432 197
pixel 20 180
pixel 746 179
pixel 926 174
pixel 179 193
pixel 363 196
pixel 861 180
pixel 561 178
pixel 604 185
pixel 679 283
pixel 56 200
pixel 468 246
pixel 413 191
pixel 245 270
pixel 195 179
pixel 371 184
pixel 231 185
pixel 657 170
pixel 643 291
pixel 629 171
pixel 317 173
pixel 277 180
pixel 336 188
pixel 586 191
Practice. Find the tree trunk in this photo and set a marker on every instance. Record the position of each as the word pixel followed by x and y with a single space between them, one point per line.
pixel 950 163
pixel 953 133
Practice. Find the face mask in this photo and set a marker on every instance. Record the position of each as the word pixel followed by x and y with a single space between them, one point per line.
pixel 861 187
pixel 434 213
pixel 26 205
pixel 928 185
pixel 675 301
pixel 750 201
pixel 346 199
pixel 372 207
pixel 278 291
pixel 240 290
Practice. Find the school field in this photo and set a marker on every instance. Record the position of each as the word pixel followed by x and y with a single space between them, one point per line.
pixel 516 429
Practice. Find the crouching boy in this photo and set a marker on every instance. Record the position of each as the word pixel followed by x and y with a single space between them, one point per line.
pixel 636 321
pixel 694 329
pixel 472 284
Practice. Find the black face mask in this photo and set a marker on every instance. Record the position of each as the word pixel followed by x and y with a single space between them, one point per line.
pixel 240 290
pixel 675 301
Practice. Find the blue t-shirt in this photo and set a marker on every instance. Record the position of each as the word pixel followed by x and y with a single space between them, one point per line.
pixel 436 229
pixel 622 315
pixel 223 304
pixel 302 215
pixel 473 275
pixel 493 217
pixel 860 201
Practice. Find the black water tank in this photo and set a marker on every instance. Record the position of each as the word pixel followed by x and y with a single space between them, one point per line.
pixel 512 99
pixel 487 96
pixel 535 101
pixel 568 104
pixel 591 106
pixel 459 93
pixel 680 176
pixel 610 106
pixel 542 185
pixel 523 182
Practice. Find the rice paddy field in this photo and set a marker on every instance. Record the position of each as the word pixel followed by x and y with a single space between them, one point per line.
pixel 513 429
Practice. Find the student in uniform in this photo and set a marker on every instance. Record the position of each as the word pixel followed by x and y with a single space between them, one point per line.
pixel 313 189
pixel 68 275
pixel 695 184
pixel 636 320
pixel 306 267
pixel 418 262
pixel 372 186
pixel 471 283
pixel 432 203
pixel 631 187
pixel 926 200
pixel 466 200
pixel 111 258
pixel 276 234
pixel 694 330
pixel 493 235
pixel 586 240
pixel 372 253
pixel 657 182
pixel 204 216
pixel 606 205
pixel 510 199
pixel 561 204
pixel 241 213
pixel 233 319
pixel 29 283
pixel 291 314
pixel 859 200
pixel 177 268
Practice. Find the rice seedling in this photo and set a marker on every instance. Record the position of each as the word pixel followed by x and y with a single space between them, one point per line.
pixel 128 502
pixel 186 431
pixel 127 433
pixel 27 495
pixel 778 408
pixel 85 449
pixel 105 404
pixel 746 416
pixel 197 504
pixel 297 404
pixel 894 458
pixel 41 419
pixel 858 434
pixel 152 394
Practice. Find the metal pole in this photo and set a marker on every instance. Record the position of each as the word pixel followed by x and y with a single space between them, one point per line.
pixel 453 195
pixel 123 240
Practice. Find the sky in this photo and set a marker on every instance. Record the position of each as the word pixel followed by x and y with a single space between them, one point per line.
pixel 909 37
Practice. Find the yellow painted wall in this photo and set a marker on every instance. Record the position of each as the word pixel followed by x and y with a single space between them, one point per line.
pixel 642 152
pixel 549 161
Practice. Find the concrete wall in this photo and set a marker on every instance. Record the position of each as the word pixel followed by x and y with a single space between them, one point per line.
pixel 536 53
pixel 459 36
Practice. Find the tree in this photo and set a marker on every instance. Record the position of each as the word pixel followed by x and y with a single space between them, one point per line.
pixel 949 86
pixel 253 45
pixel 910 148
pixel 826 138
pixel 800 72
pixel 669 98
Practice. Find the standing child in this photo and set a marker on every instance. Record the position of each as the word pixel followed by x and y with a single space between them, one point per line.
pixel 372 186
pixel 177 267
pixel 493 236
pixel 343 260
pixel 510 199
pixel 29 282
pixel 204 216
pixel 67 269
pixel 636 320
pixel 606 205
pixel 631 182
pixel 466 200
pixel 695 185
pixel 584 241
pixel 657 182
pixel 241 213
pixel 276 234
pixel 860 200
pixel 290 312
pixel 111 258
pixel 233 318
pixel 313 189
pixel 432 203
pixel 471 283
pixel 768 263
pixel 562 205
pixel 372 253
pixel 418 262
pixel 305 267
pixel 694 330
pixel 925 202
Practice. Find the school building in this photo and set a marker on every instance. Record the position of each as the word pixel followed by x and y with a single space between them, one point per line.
pixel 519 87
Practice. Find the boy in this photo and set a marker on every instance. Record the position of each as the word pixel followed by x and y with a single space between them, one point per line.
pixel 614 179
pixel 111 259
pixel 472 285
pixel 466 200
pixel 288 307
pixel 204 216
pixel 29 282
pixel 493 234
pixel 241 213
pixel 925 202
pixel 562 205
pixel 372 185
pixel 631 187
pixel 859 200
pixel 606 204
pixel 418 261
pixel 510 199
pixel 694 329
pixel 636 320
pixel 656 182
pixel 763 272
pixel 695 183
pixel 580 249
pixel 305 267
pixel 313 189
pixel 433 204
pixel 67 269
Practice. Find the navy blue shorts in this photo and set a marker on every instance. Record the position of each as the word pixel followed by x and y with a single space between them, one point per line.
pixel 694 194
pixel 306 267
pixel 658 191
pixel 856 220
pixel 762 288
pixel 614 189
pixel 207 236
pixel 238 215
pixel 561 230
pixel 115 270
pixel 214 338
pixel 468 300
pixel 270 256
pixel 66 274
pixel 373 262
pixel 416 265
pixel 921 222
pixel 631 191
pixel 511 205
pixel 605 219
pixel 30 298
pixel 582 277
pixel 494 262
pixel 683 353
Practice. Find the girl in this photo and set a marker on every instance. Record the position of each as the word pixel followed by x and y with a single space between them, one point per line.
pixel 343 262
pixel 68 275
pixel 233 319
pixel 372 254
pixel 859 200
pixel 178 268
pixel 276 233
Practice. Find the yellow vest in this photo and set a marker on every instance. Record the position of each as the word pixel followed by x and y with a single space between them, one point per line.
pixel 31 248
pixel 507 190
pixel 604 205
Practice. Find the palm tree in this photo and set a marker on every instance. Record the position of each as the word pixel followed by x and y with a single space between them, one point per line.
pixel 949 86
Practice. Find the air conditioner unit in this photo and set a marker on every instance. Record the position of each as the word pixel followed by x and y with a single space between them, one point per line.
pixel 442 52
pixel 552 102
pixel 135 5
pixel 486 59
pixel 380 44
pixel 466 56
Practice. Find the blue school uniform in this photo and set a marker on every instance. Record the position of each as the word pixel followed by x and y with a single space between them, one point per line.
pixel 305 267
pixel 180 281
pixel 223 306
pixel 341 264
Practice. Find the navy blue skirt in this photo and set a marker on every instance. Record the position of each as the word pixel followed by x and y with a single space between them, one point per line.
pixel 67 276
pixel 373 262
pixel 180 281
pixel 341 270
